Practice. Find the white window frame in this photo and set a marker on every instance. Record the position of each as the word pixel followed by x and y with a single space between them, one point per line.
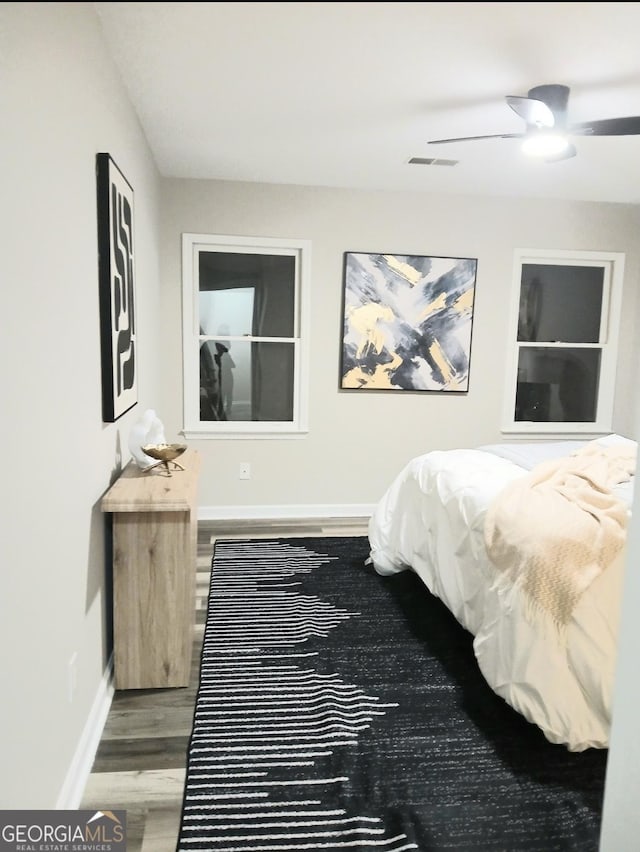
pixel 613 266
pixel 193 427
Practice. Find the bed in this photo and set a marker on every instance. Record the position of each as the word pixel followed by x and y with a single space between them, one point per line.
pixel 524 543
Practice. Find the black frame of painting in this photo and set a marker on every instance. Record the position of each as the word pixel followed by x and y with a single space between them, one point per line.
pixel 407 322
pixel 116 275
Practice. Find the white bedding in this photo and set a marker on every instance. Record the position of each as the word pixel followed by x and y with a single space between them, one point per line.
pixel 431 520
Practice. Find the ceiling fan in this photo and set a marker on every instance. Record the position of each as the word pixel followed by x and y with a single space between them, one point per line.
pixel 545 113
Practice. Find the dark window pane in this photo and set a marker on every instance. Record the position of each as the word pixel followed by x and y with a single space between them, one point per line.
pixel 244 381
pixel 246 294
pixel 560 304
pixel 557 385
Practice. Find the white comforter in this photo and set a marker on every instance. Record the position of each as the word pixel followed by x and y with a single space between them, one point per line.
pixel 431 519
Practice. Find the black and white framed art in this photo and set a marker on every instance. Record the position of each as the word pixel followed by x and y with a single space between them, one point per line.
pixel 116 270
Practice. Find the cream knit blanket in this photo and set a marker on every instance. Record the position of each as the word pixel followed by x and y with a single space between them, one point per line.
pixel 558 528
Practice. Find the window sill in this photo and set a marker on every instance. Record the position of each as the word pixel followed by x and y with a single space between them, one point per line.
pixel 553 432
pixel 268 433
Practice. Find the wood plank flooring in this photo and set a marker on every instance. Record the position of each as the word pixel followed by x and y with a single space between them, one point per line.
pixel 140 762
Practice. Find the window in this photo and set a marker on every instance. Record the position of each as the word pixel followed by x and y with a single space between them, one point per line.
pixel 565 318
pixel 244 336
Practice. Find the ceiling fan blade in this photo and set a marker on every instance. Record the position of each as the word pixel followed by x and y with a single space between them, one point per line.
pixel 533 111
pixel 473 138
pixel 570 151
pixel 629 126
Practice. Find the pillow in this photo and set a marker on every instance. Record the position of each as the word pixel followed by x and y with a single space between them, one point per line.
pixel 528 455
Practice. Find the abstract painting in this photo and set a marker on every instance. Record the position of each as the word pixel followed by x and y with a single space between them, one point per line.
pixel 116 271
pixel 407 322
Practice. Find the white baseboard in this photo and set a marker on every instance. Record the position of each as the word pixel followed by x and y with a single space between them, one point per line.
pixel 297 512
pixel 82 762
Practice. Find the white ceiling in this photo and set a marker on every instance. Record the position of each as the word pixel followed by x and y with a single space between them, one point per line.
pixel 344 94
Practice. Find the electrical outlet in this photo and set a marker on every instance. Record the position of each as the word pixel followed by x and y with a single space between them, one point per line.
pixel 72 676
pixel 245 470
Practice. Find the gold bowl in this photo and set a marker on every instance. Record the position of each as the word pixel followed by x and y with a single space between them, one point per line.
pixel 164 452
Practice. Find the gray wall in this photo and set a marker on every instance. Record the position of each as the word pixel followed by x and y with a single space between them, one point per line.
pixel 359 440
pixel 62 102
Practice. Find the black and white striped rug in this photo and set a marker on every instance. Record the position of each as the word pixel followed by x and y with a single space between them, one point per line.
pixel 340 710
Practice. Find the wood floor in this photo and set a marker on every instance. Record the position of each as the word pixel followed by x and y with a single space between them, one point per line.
pixel 140 763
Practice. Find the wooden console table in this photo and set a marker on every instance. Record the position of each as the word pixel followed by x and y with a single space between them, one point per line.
pixel 154 556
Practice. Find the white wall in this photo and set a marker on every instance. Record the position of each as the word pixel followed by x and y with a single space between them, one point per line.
pixel 621 815
pixel 61 103
pixel 360 439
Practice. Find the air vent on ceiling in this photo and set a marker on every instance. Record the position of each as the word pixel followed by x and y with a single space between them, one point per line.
pixel 433 161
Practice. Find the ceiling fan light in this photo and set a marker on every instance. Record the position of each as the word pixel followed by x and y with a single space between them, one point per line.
pixel 545 144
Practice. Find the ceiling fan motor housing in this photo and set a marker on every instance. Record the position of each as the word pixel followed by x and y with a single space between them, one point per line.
pixel 556 97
